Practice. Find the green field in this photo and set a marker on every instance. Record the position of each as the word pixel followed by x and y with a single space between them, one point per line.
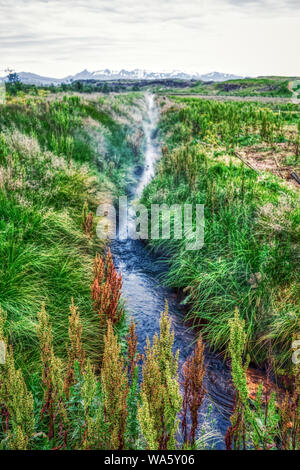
pixel 56 155
pixel 71 376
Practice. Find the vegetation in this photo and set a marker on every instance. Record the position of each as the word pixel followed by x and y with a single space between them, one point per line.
pixel 161 400
pixel 110 411
pixel 267 424
pixel 64 125
pixel 272 87
pixel 91 411
pixel 70 381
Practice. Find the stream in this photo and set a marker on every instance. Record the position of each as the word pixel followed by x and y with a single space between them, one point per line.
pixel 145 297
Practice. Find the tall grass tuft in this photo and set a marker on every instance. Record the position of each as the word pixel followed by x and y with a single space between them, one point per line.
pixel 251 237
pixel 160 397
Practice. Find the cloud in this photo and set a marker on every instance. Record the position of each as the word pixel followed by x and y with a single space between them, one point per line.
pixel 59 37
pixel 266 6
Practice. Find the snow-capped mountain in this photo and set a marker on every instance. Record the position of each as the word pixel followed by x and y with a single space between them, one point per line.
pixel 219 77
pixel 136 74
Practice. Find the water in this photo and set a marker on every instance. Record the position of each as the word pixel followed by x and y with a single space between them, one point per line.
pixel 145 297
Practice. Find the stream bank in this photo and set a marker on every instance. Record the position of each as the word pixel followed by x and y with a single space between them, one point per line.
pixel 145 296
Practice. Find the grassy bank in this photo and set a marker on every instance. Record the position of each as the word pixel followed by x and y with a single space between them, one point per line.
pixel 269 86
pixel 67 381
pixel 250 258
pixel 56 155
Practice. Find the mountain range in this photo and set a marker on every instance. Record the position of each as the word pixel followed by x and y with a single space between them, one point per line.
pixel 136 74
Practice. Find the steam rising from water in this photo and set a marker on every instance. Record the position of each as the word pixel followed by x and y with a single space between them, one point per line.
pixel 152 151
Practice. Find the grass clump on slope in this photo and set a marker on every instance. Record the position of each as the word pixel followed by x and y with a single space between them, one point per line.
pixel 49 168
pixel 250 258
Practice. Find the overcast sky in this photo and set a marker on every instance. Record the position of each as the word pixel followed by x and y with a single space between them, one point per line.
pixel 61 37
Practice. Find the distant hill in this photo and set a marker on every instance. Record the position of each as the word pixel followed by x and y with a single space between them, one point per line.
pixel 136 74
pixel 139 74
pixel 34 79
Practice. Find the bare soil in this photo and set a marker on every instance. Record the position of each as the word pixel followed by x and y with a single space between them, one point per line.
pixel 274 159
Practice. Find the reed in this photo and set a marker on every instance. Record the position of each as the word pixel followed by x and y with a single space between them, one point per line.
pixel 54 157
pixel 132 344
pixel 236 434
pixel 54 409
pixel 115 390
pixel 160 397
pixel 74 348
pixel 271 423
pixel 16 402
pixel 106 290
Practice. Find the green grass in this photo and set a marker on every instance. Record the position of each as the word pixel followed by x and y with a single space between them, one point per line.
pixel 251 225
pixel 261 87
pixel 44 254
pixel 58 124
pixel 229 123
